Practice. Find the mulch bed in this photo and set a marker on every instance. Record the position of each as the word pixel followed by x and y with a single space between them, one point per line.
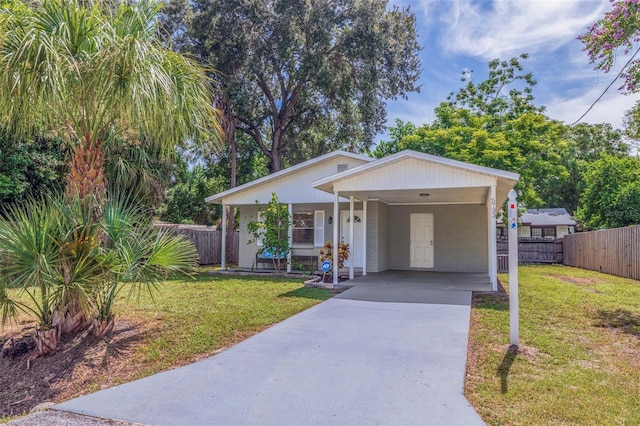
pixel 79 365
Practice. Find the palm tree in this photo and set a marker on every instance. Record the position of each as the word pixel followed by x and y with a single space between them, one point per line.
pixel 55 253
pixel 93 74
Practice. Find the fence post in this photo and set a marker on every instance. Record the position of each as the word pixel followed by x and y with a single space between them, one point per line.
pixel 513 269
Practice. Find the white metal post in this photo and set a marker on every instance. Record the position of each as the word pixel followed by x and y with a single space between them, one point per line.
pixel 336 222
pixel 223 249
pixel 513 269
pixel 364 237
pixel 351 244
pixel 290 237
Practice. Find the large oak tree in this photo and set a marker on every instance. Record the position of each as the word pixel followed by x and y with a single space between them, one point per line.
pixel 296 69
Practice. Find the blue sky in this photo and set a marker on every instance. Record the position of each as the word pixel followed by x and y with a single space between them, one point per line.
pixel 466 34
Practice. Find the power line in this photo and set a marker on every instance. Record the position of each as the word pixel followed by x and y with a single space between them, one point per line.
pixel 607 88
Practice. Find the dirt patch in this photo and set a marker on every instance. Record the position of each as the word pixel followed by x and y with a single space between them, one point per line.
pixel 525 352
pixel 80 364
pixel 578 280
pixel 621 319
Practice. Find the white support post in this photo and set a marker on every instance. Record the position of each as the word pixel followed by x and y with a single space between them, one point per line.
pixel 223 248
pixel 351 245
pixel 364 237
pixel 290 237
pixel 336 222
pixel 493 247
pixel 513 269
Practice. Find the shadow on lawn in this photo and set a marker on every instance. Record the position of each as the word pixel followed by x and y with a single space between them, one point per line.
pixel 498 301
pixel 505 367
pixel 628 321
pixel 309 293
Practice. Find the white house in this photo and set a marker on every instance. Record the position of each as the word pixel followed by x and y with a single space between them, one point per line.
pixel 543 223
pixel 410 211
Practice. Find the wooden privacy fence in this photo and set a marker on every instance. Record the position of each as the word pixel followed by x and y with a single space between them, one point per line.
pixel 531 251
pixel 612 251
pixel 208 242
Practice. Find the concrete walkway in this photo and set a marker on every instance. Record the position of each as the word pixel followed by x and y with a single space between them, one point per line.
pixel 365 357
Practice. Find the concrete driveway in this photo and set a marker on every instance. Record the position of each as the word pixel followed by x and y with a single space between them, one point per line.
pixel 389 354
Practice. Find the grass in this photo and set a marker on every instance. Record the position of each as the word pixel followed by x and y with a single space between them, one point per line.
pixel 579 359
pixel 189 319
pixel 192 318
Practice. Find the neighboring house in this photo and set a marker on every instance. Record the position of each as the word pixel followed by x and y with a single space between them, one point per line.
pixel 543 223
pixel 411 211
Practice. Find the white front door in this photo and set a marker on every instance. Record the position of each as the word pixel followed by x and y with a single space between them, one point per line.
pixel 421 240
pixel 355 248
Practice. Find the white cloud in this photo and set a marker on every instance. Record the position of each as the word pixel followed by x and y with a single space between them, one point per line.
pixel 505 28
pixel 610 109
pixel 469 32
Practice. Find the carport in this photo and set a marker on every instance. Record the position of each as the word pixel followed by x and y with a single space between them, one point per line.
pixel 431 214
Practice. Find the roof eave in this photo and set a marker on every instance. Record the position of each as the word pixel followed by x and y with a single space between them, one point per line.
pixel 326 184
pixel 219 197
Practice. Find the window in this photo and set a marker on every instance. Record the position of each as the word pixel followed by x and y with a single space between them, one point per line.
pixel 303 229
pixel 549 232
pixel 308 228
pixel 342 167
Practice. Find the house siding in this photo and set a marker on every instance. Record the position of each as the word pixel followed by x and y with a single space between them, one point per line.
pixel 295 187
pixel 247 255
pixel 412 174
pixel 460 237
pixel 382 230
pixel 562 230
pixel 524 231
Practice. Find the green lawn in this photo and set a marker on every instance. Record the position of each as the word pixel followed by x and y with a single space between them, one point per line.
pixel 195 317
pixel 189 319
pixel 579 361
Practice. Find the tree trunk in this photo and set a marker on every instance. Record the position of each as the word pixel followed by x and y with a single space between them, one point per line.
pixel 86 178
pixel 103 327
pixel 68 319
pixel 46 340
pixel 229 129
pixel 275 162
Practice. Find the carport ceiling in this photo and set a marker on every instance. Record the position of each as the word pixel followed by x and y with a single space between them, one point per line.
pixel 474 195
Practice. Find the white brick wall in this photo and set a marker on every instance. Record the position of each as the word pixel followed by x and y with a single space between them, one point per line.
pixel 373 235
pixel 460 237
pixel 376 236
pixel 383 237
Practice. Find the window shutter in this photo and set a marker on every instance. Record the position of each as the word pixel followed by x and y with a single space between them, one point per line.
pixel 260 219
pixel 318 225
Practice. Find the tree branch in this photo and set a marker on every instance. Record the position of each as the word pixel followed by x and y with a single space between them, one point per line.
pixel 253 131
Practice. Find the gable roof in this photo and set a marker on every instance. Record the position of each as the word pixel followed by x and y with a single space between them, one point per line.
pixel 547 217
pixel 407 153
pixel 218 198
pixel 504 180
